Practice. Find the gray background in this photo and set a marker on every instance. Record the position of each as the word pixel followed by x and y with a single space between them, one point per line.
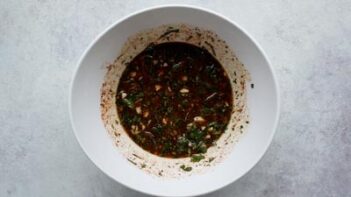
pixel 308 43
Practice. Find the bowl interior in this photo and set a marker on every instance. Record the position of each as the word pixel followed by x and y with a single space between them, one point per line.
pixel 89 129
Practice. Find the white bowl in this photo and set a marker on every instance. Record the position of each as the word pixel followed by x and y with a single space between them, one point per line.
pixel 84 103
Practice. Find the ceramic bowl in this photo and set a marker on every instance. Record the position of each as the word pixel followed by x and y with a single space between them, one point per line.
pixel 84 103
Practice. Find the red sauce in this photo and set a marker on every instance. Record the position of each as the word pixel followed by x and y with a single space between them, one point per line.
pixel 174 99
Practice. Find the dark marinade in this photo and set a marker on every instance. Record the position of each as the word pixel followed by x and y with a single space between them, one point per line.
pixel 174 99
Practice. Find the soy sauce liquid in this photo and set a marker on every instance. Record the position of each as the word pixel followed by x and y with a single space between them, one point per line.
pixel 174 99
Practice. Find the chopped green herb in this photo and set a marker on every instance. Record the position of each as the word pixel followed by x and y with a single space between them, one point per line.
pixel 157 128
pixel 140 139
pixel 186 168
pixel 130 99
pixel 135 96
pixel 197 158
pixel 128 102
pixel 207 111
pixel 217 125
pixel 182 145
pixel 150 47
pixel 201 147
pixel 223 109
pixel 129 119
pixel 195 134
pixel 176 66
pixel 166 147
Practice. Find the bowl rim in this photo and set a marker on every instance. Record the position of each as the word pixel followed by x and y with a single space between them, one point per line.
pixel 150 8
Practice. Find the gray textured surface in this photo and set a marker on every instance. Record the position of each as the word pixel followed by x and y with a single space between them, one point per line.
pixel 308 42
